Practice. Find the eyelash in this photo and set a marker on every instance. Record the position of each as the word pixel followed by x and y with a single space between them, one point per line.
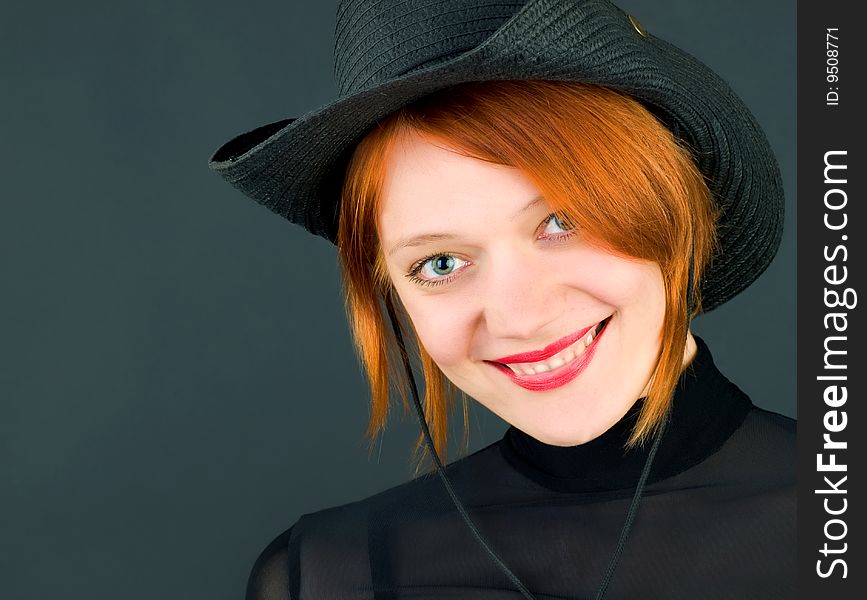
pixel 417 267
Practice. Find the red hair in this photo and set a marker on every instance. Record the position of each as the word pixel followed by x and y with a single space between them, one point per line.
pixel 593 153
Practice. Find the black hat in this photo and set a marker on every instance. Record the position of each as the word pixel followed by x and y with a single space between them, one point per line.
pixel 389 53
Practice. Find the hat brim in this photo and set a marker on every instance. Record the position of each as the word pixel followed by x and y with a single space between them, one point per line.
pixel 295 167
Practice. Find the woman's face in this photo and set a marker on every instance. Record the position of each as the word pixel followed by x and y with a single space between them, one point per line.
pixel 503 296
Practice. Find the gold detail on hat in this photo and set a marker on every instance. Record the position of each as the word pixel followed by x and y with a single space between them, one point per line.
pixel 641 31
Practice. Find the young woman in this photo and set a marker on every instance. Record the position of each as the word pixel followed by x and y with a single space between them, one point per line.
pixel 535 201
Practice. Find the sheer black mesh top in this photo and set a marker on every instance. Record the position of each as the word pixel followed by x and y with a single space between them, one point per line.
pixel 717 518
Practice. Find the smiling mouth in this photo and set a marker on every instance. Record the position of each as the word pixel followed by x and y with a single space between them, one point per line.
pixel 561 358
pixel 558 369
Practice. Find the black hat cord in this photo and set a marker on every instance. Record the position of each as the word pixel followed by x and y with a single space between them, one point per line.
pixel 636 498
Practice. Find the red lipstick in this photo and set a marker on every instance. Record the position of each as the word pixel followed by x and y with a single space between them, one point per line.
pixel 548 351
pixel 556 377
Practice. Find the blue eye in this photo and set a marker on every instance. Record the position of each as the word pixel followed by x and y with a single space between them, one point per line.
pixel 436 269
pixel 553 222
pixel 443 265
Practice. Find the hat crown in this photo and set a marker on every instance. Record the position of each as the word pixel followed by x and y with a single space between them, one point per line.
pixel 380 40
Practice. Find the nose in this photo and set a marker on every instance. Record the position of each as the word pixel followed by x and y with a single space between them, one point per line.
pixel 520 298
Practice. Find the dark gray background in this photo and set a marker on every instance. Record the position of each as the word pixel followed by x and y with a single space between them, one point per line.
pixel 177 383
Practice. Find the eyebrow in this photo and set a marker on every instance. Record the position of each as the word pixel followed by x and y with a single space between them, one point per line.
pixel 426 238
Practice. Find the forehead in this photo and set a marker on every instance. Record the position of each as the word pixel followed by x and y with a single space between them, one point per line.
pixel 430 186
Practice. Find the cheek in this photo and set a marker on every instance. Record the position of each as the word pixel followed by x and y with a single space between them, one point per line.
pixel 444 329
pixel 618 282
pixel 640 292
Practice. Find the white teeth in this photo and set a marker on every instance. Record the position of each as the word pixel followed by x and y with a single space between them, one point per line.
pixel 558 360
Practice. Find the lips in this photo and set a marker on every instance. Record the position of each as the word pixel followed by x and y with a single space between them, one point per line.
pixel 548 351
pixel 552 377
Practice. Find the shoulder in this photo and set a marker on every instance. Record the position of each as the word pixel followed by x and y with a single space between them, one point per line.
pixel 342 535
pixel 269 577
pixel 417 496
pixel 764 448
pixel 771 429
pixel 348 529
pixel 775 419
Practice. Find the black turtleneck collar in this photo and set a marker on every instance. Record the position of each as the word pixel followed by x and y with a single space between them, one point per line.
pixel 706 410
